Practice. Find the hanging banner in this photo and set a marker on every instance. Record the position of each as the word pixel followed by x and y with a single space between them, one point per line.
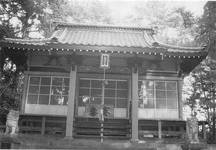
pixel 105 61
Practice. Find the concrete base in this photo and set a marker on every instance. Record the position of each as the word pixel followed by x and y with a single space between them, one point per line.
pixel 170 147
pixel 52 142
pixel 194 146
pixel 68 138
pixel 9 142
pixel 134 140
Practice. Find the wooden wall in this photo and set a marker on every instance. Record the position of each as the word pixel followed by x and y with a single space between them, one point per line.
pixel 155 66
pixel 90 63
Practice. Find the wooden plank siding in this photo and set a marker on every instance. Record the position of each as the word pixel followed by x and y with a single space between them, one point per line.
pixel 153 67
pixel 113 128
pixel 44 125
pixel 162 128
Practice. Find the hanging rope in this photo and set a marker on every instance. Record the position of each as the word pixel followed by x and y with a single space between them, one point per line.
pixel 102 105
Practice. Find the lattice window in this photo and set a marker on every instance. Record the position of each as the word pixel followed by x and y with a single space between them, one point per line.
pixel 115 94
pixel 158 94
pixel 48 90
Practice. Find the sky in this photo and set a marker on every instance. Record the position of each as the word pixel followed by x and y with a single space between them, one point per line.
pixel 193 5
pixel 119 9
pixel 122 8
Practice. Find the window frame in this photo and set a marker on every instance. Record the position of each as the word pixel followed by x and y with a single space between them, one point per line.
pixel 109 88
pixel 165 90
pixel 51 76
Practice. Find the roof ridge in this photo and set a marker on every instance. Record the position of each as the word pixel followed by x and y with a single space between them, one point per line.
pixel 110 31
pixel 32 39
pixel 108 26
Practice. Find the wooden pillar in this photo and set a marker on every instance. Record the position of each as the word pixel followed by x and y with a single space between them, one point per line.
pixel 24 97
pixel 129 102
pixel 183 133
pixel 1 61
pixel 159 129
pixel 180 105
pixel 71 100
pixel 134 111
pixel 43 126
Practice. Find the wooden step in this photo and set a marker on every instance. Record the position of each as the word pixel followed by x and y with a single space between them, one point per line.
pixel 105 137
pixel 97 120
pixel 108 126
pixel 98 131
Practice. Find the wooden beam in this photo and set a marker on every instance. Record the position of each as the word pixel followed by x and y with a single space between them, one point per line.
pixel 180 104
pixel 28 61
pixel 43 126
pixel 24 98
pixel 134 111
pixel 159 129
pixel 129 100
pixel 38 73
pixel 71 100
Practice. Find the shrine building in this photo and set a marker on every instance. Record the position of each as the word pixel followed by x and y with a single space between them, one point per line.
pixel 65 74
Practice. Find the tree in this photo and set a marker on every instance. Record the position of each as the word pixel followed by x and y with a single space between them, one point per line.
pixel 176 26
pixel 204 84
pixel 202 96
pixel 207 25
pixel 19 16
pixel 38 15
pixel 91 12
pixel 13 63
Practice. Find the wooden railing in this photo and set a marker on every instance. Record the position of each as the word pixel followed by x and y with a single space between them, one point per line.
pixel 42 125
pixel 113 128
pixel 90 127
pixel 162 128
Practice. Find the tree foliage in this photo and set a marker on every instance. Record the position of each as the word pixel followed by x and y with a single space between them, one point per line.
pixel 91 12
pixel 207 27
pixel 22 17
pixel 202 97
pixel 203 91
pixel 176 26
pixel 204 86
pixel 19 16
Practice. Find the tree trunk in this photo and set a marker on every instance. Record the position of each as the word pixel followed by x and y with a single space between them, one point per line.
pixel 213 117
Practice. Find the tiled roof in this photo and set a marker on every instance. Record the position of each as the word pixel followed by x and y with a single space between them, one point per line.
pixel 105 36
pixel 122 36
pixel 27 41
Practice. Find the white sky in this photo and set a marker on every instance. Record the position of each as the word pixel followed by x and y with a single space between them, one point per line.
pixel 195 6
pixel 121 8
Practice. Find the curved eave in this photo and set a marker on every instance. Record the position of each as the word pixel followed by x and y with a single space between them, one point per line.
pixel 176 48
pixel 119 49
pixel 42 45
pixel 187 65
pixel 21 46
